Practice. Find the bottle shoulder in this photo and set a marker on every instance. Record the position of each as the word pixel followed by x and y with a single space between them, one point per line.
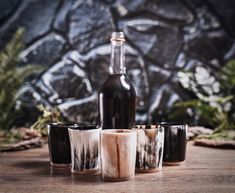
pixel 117 82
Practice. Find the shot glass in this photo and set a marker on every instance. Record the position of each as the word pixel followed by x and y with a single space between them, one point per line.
pixel 85 142
pixel 150 145
pixel 59 145
pixel 118 152
pixel 175 143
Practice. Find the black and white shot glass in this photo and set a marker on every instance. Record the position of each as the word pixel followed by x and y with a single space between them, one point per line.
pixel 149 151
pixel 85 142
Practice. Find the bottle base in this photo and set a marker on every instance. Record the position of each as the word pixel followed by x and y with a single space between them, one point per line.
pixel 57 165
pixel 148 170
pixel 109 179
pixel 173 163
pixel 85 172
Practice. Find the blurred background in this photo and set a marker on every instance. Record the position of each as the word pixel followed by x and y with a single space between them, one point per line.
pixel 179 57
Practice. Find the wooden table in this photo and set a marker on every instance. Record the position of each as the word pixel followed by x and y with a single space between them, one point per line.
pixel 206 170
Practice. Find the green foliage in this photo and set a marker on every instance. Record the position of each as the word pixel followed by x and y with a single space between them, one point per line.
pixel 227 76
pixel 47 117
pixel 38 129
pixel 214 102
pixel 10 136
pixel 223 135
pixel 11 78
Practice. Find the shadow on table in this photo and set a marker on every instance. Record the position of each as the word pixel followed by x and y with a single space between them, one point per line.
pixel 86 178
pixel 32 164
pixel 43 168
pixel 35 167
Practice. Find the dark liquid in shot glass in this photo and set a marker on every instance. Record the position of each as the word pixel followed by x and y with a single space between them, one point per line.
pixel 59 145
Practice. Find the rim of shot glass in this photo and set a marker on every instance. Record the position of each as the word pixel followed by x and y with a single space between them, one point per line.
pixel 118 131
pixel 175 125
pixel 61 125
pixel 170 124
pixel 148 127
pixel 83 127
pixel 145 126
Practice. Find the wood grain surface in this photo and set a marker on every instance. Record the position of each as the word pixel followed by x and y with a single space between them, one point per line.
pixel 206 170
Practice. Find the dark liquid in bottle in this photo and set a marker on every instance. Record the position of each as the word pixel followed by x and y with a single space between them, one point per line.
pixel 117 100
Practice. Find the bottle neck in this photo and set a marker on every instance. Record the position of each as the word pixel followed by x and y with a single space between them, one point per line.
pixel 117 62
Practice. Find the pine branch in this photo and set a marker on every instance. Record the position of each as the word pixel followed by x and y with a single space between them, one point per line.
pixel 11 79
pixel 47 117
pixel 9 56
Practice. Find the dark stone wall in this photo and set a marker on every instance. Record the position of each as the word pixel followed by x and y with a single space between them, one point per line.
pixel 70 39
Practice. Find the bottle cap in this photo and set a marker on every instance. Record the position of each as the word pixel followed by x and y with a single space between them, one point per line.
pixel 117 36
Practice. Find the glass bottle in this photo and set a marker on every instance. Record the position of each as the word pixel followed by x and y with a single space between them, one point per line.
pixel 117 96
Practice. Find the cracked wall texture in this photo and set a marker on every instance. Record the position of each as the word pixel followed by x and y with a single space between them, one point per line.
pixel 70 40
